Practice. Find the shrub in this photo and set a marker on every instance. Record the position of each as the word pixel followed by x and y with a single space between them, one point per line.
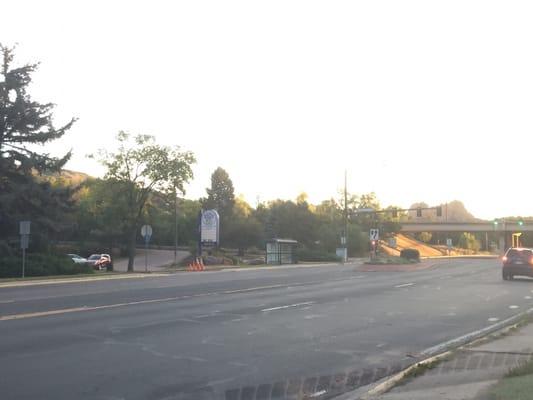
pixel 41 265
pixel 410 254
pixel 5 249
pixel 303 254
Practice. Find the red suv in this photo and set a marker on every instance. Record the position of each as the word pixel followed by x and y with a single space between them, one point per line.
pixel 517 261
pixel 100 261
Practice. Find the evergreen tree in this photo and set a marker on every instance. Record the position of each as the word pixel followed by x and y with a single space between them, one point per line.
pixel 25 123
pixel 221 195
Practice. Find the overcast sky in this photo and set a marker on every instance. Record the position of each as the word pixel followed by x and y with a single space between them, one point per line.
pixel 419 100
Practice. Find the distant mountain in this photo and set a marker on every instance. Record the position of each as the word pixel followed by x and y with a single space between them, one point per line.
pixel 454 211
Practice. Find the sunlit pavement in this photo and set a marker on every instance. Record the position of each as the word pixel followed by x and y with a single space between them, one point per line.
pixel 276 333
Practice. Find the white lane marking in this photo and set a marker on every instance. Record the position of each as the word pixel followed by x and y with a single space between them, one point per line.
pixel 287 306
pixel 512 307
pixel 404 285
pixel 6 301
pixel 313 316
pixel 132 303
pixel 493 319
pixel 257 288
pixel 317 394
pixel 527 297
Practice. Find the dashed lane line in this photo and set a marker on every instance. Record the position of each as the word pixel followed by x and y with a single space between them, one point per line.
pixel 288 306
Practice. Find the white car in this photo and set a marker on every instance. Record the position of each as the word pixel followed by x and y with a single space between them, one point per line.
pixel 77 259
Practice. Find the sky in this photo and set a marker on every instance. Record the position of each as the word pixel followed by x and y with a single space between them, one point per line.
pixel 417 100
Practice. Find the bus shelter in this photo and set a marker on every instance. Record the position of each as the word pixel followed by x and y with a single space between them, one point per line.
pixel 281 251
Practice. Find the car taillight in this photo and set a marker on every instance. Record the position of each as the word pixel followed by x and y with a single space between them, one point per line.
pixel 531 260
pixel 504 259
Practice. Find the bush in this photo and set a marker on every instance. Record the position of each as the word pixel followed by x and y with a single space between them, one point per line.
pixel 410 254
pixel 304 254
pixel 5 249
pixel 41 265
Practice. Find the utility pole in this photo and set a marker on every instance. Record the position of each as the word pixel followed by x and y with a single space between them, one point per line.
pixel 345 215
pixel 175 226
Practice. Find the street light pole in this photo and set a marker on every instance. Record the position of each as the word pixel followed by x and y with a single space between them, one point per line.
pixel 175 226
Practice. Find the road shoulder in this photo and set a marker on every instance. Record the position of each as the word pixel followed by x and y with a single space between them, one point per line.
pixel 476 371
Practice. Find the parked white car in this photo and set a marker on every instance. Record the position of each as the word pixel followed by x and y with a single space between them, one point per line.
pixel 77 259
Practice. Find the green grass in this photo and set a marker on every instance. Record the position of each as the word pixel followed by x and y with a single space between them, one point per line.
pixel 517 384
pixel 390 260
pixel 521 370
pixel 515 388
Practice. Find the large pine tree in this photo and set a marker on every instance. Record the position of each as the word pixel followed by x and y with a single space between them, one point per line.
pixel 25 124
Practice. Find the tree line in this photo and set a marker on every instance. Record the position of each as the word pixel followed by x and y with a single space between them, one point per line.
pixel 144 183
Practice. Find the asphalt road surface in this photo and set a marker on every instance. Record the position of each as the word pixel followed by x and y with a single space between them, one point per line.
pixel 260 334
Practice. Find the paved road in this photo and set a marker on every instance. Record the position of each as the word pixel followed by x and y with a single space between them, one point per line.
pixel 240 335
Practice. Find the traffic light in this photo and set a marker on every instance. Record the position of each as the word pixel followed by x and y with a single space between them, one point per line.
pixel 495 222
pixel 439 211
pixel 520 222
pixel 418 212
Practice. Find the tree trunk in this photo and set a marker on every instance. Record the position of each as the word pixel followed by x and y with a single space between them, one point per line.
pixel 131 250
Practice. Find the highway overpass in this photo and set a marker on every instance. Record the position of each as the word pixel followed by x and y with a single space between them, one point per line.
pixel 508 231
pixel 507 226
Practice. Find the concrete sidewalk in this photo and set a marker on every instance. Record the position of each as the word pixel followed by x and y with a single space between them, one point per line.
pixel 470 371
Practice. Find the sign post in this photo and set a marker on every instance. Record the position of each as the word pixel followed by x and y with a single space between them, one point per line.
pixel 24 230
pixel 146 232
pixel 449 244
pixel 374 237
pixel 209 229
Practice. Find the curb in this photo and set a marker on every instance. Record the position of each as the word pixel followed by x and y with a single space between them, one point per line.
pixel 472 257
pixel 234 268
pixel 440 351
pixel 389 383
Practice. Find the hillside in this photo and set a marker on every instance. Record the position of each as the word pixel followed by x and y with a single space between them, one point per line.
pixel 67 177
pixel 454 211
pixel 407 242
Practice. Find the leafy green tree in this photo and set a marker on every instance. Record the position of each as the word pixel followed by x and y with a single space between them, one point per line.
pixel 221 197
pixel 25 123
pixel 100 206
pixel 141 167
pixel 286 219
pixel 424 237
pixel 469 241
pixel 160 214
